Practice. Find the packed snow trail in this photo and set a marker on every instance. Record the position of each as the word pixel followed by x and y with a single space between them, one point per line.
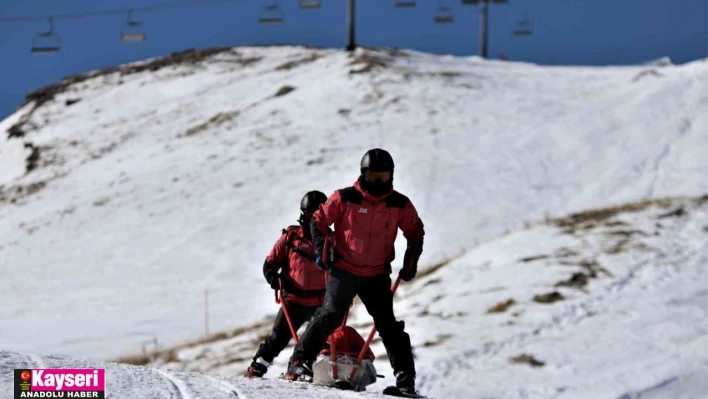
pixel 136 382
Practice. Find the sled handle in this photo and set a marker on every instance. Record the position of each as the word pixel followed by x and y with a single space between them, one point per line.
pixel 371 337
pixel 285 310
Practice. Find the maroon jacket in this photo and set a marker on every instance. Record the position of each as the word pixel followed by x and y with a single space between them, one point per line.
pixel 303 281
pixel 365 229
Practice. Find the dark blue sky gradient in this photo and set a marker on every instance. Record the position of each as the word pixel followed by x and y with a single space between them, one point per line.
pixel 599 32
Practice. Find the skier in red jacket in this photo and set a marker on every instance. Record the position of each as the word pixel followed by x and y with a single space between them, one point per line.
pixel 292 256
pixel 366 220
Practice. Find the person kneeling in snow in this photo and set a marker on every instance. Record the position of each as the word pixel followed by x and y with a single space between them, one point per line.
pixel 366 220
pixel 304 283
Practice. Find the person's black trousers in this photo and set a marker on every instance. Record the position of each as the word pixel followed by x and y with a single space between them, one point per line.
pixel 281 335
pixel 375 293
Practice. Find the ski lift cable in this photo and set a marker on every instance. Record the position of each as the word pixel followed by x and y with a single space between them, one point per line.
pixel 157 7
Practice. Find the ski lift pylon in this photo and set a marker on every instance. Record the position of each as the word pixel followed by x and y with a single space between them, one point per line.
pixel 271 14
pixel 523 26
pixel 130 31
pixel 46 42
pixel 404 4
pixel 310 3
pixel 443 14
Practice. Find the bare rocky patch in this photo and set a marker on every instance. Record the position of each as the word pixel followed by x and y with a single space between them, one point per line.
pixel 502 307
pixel 548 298
pixel 284 90
pixel 527 359
pixel 216 120
pixel 298 62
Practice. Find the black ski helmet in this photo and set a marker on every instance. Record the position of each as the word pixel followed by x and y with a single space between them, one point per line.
pixel 312 201
pixel 376 159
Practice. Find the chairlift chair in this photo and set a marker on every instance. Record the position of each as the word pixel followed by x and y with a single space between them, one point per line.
pixel 46 42
pixel 130 31
pixel 404 3
pixel 523 27
pixel 310 3
pixel 272 14
pixel 444 14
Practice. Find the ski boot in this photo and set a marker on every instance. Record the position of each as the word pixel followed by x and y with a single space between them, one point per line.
pixel 257 369
pixel 299 371
pixel 406 383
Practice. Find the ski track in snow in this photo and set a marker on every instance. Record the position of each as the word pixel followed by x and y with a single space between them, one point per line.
pixel 227 387
pixel 179 387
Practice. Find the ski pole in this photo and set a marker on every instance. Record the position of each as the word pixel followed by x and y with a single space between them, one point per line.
pixel 325 250
pixel 333 348
pixel 281 301
pixel 371 337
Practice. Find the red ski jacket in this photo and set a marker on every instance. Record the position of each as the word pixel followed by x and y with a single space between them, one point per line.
pixel 294 254
pixel 365 228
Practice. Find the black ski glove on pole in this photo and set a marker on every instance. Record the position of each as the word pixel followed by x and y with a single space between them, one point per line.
pixel 410 262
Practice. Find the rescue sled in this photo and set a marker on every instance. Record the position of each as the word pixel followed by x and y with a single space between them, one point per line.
pixel 334 365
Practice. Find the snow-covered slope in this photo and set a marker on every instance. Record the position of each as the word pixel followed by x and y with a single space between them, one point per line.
pixel 157 185
pixel 602 304
pixel 608 303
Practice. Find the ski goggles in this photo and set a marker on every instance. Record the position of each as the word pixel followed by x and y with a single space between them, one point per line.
pixel 372 175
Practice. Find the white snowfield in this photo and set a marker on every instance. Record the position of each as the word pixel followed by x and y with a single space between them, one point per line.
pixel 156 186
pixel 610 305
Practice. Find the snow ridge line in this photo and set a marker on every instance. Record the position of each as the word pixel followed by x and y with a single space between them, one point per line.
pixel 689 257
pixel 178 384
pixel 227 385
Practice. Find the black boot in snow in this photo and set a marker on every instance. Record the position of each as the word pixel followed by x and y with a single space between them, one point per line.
pixel 299 370
pixel 257 369
pixel 406 382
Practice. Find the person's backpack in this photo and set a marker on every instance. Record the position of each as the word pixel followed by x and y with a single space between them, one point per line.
pixel 291 234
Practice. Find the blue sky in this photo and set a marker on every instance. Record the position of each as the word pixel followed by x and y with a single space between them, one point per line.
pixel 589 32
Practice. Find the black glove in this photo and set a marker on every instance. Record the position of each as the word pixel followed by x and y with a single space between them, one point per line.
pixel 325 267
pixel 273 280
pixel 410 263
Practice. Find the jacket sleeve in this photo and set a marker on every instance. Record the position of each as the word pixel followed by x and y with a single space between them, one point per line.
pixel 328 214
pixel 413 230
pixel 276 259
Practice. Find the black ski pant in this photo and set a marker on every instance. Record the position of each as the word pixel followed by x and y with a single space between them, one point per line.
pixel 375 293
pixel 280 335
